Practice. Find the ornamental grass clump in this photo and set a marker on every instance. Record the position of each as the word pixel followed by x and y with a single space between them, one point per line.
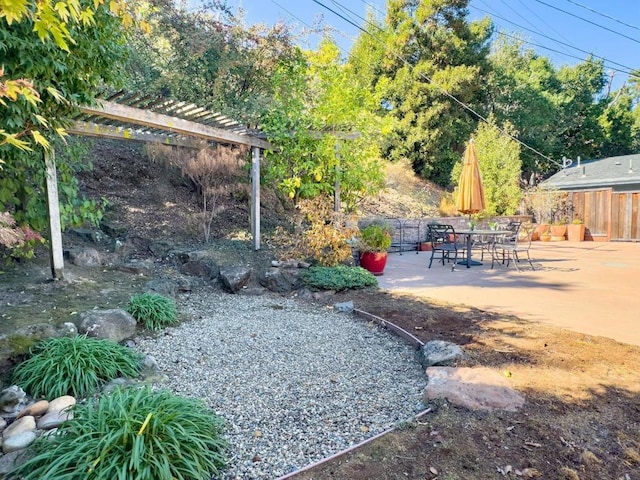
pixel 74 366
pixel 133 433
pixel 153 310
pixel 338 278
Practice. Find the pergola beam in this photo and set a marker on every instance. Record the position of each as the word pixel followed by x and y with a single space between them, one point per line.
pixel 90 129
pixel 123 113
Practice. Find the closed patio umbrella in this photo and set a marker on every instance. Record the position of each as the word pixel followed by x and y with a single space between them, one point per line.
pixel 470 197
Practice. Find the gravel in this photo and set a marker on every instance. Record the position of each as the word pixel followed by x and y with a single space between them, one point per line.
pixel 295 382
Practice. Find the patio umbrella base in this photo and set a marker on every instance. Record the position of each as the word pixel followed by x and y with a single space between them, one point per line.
pixel 469 263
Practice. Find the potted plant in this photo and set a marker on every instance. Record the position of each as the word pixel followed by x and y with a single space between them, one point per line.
pixel 545 235
pixel 373 243
pixel 575 230
pixel 558 230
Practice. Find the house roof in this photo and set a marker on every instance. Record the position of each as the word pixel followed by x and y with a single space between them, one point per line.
pixel 604 172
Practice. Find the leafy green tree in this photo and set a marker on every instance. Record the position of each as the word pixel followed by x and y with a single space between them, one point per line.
pixel 431 54
pixel 207 57
pixel 500 165
pixel 64 61
pixel 325 129
pixel 520 91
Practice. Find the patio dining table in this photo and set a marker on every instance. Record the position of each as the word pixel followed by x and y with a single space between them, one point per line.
pixel 469 234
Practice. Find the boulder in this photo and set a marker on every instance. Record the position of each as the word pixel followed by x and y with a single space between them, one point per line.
pixel 161 248
pixel 54 419
pixel 476 388
pixel 9 461
pixel 233 279
pixel 84 257
pixel 24 424
pixel 439 352
pixel 282 279
pixel 198 268
pixel 10 398
pixel 137 267
pixel 19 441
pixel 61 403
pixel 35 409
pixel 344 307
pixel 113 324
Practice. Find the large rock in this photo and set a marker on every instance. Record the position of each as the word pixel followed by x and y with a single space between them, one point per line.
pixel 113 324
pixel 282 279
pixel 198 268
pixel 10 398
pixel 161 248
pixel 9 461
pixel 19 441
pixel 24 424
pixel 233 279
pixel 54 419
pixel 476 388
pixel 35 409
pixel 84 257
pixel 137 267
pixel 439 352
pixel 61 403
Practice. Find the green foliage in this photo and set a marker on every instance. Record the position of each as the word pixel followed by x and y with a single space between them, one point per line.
pixel 318 102
pixel 338 278
pixel 500 166
pixel 153 310
pixel 376 236
pixel 444 53
pixel 63 80
pixel 74 366
pixel 131 434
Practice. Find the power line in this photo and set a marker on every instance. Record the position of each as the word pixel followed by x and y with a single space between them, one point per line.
pixel 442 89
pixel 588 21
pixel 628 70
pixel 604 15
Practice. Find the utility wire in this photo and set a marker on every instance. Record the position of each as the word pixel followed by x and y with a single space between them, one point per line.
pixel 627 70
pixel 441 88
pixel 604 15
pixel 588 21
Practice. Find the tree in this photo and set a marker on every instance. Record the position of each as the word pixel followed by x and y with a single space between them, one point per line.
pixel 500 165
pixel 319 103
pixel 207 57
pixel 61 54
pixel 431 55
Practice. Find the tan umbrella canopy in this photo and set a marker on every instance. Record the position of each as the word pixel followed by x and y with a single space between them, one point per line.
pixel 470 198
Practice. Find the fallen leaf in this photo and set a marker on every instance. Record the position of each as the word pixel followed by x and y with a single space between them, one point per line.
pixel 433 470
pixel 257 434
pixel 531 473
pixel 364 428
pixel 533 444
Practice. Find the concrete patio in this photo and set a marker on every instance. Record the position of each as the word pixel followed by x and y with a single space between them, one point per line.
pixel 589 287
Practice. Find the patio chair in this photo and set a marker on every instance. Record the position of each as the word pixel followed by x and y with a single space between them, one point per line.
pixel 510 248
pixel 443 241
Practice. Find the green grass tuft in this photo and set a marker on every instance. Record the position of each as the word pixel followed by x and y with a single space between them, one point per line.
pixel 338 278
pixel 131 433
pixel 74 366
pixel 153 310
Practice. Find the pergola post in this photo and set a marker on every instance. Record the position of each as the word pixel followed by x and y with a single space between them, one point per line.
pixel 255 197
pixel 55 228
pixel 336 183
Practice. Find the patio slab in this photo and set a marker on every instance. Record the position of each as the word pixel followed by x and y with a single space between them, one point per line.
pixel 588 287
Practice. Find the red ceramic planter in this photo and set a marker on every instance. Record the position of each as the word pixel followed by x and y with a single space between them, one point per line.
pixel 373 261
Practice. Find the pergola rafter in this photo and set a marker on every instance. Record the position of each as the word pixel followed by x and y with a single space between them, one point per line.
pixel 147 118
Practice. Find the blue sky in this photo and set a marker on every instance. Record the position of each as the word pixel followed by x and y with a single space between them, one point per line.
pixel 533 19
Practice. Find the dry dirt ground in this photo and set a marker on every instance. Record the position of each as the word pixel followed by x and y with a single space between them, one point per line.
pixel 581 419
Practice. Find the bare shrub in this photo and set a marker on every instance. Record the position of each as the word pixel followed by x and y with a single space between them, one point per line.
pixel 216 172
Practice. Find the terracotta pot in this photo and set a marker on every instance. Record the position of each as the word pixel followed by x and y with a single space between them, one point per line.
pixel 425 246
pixel 541 228
pixel 373 261
pixel 558 230
pixel 575 232
pixel 545 237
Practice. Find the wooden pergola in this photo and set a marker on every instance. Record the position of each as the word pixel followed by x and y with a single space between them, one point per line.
pixel 131 116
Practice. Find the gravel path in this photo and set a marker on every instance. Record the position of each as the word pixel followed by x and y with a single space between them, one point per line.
pixel 295 382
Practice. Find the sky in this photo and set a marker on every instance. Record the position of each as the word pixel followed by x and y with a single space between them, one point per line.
pixel 607 28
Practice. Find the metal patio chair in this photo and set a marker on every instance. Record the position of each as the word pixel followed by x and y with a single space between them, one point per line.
pixel 510 248
pixel 443 242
